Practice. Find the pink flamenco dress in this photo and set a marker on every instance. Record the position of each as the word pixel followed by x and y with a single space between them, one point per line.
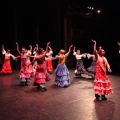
pixel 6 68
pixel 30 67
pixel 102 84
pixel 24 71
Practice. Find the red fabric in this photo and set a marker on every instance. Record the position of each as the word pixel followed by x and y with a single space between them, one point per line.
pixel 6 68
pixel 101 83
pixel 49 65
pixel 40 75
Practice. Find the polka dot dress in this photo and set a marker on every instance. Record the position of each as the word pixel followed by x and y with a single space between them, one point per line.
pixel 101 82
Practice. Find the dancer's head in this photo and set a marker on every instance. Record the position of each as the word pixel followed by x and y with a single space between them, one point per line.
pixel 62 51
pixel 8 51
pixel 78 52
pixel 40 51
pixel 23 50
pixel 101 52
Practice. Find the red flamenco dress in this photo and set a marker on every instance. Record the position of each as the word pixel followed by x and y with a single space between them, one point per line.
pixel 40 74
pixel 102 84
pixel 6 68
pixel 49 62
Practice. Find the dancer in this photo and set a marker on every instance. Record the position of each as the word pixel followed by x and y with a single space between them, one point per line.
pixel 102 85
pixel 35 63
pixel 48 60
pixel 80 69
pixel 92 67
pixel 28 54
pixel 62 78
pixel 6 68
pixel 40 74
pixel 24 71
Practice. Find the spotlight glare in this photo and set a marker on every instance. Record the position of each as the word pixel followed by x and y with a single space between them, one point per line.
pixel 98 11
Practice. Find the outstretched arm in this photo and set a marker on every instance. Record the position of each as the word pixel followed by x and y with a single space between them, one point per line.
pixel 94 48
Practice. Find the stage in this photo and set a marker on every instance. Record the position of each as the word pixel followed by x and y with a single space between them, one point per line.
pixel 75 102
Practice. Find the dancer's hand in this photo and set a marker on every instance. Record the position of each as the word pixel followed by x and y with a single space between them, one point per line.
pixel 15 59
pixel 118 43
pixel 37 45
pixel 30 46
pixel 109 70
pixel 48 43
pixel 71 46
pixel 94 41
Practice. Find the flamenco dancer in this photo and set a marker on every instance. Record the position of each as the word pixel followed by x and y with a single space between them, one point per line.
pixel 24 71
pixel 6 68
pixel 62 78
pixel 80 69
pixel 48 60
pixel 35 63
pixel 92 67
pixel 102 86
pixel 28 54
pixel 40 74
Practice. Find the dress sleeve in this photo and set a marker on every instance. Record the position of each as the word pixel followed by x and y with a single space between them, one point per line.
pixel 66 54
pixel 13 57
pixel 51 52
pixel 3 52
pixel 83 55
pixel 74 53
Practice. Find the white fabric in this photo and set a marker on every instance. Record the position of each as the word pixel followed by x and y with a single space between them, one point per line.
pixel 8 55
pixel 78 57
pixel 49 55
pixel 91 56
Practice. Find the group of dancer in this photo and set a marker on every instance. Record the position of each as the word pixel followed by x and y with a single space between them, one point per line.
pixel 42 68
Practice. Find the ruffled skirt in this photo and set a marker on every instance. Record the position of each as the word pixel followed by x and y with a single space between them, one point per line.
pixel 62 77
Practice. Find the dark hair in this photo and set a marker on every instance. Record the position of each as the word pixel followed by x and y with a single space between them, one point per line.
pixel 39 51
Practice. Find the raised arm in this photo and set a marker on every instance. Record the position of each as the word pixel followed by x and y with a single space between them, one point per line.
pixel 94 49
pixel 17 45
pixel 36 46
pixel 40 56
pixel 46 48
pixel 74 49
pixel 69 50
pixel 30 46
pixel 50 48
pixel 3 50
